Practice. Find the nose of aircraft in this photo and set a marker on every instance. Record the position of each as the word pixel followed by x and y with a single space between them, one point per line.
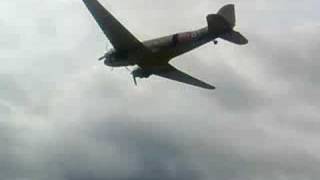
pixel 107 62
pixel 109 58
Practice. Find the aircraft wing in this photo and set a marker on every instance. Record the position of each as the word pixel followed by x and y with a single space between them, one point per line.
pixel 119 36
pixel 172 73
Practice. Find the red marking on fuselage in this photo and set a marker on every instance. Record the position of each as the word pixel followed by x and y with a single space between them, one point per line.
pixel 185 37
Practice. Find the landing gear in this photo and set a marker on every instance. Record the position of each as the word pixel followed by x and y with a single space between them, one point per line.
pixel 215 42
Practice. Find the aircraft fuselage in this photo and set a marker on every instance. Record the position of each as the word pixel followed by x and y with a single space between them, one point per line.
pixel 153 56
pixel 162 49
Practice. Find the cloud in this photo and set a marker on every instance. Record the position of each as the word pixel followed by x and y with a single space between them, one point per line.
pixel 64 116
pixel 137 153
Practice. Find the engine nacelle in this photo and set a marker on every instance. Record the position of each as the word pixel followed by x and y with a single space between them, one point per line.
pixel 141 73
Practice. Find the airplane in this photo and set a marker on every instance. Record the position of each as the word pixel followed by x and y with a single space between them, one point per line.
pixel 152 57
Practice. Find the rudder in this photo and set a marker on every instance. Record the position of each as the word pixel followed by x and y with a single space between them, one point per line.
pixel 223 21
pixel 222 25
pixel 217 24
pixel 228 12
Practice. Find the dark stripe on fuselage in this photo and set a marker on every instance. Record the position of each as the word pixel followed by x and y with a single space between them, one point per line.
pixel 166 48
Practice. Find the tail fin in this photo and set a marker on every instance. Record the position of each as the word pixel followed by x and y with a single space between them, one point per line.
pixel 228 13
pixel 222 25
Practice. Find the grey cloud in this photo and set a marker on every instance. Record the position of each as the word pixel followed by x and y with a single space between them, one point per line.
pixel 155 155
pixel 66 117
pixel 12 40
pixel 291 56
pixel 236 93
pixel 11 92
pixel 5 112
pixel 292 59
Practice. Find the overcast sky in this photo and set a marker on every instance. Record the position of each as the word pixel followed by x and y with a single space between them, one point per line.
pixel 65 116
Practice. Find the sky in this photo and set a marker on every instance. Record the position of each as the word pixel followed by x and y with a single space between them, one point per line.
pixel 65 116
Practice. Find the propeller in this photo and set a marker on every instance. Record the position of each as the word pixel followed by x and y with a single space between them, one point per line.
pixel 108 47
pixel 128 69
pixel 102 58
pixel 134 76
pixel 134 79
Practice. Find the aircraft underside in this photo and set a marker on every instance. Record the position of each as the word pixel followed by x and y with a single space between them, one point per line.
pixel 152 57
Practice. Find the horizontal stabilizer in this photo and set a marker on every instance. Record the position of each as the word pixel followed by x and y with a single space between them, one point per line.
pixel 234 37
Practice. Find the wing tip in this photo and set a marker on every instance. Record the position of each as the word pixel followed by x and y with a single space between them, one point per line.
pixel 210 87
pixel 206 86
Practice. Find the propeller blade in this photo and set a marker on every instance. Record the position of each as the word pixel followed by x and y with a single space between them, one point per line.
pixel 102 58
pixel 134 80
pixel 128 69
